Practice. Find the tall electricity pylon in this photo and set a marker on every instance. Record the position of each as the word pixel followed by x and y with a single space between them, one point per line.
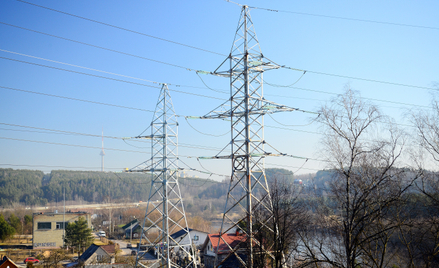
pixel 248 194
pixel 165 211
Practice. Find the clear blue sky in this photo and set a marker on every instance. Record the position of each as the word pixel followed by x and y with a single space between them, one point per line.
pixel 393 41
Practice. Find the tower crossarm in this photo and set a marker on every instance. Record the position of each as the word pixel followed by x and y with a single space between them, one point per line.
pixel 264 107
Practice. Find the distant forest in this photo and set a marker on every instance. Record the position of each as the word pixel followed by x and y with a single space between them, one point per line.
pixel 34 188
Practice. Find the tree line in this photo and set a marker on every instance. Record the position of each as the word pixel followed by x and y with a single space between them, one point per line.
pixel 33 187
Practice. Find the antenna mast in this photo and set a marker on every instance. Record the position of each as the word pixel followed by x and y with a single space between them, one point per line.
pixel 165 210
pixel 102 151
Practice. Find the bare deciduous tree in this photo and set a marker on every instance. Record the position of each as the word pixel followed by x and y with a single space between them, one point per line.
pixel 363 149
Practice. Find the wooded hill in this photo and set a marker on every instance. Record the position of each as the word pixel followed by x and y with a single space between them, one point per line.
pixel 33 187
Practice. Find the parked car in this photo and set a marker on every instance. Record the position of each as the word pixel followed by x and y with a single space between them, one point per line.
pixel 101 233
pixel 74 259
pixel 31 259
pixel 129 245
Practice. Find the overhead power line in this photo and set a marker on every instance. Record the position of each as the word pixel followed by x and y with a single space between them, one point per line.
pixel 49 166
pixel 100 71
pixel 72 145
pixel 76 99
pixel 108 78
pixel 190 69
pixel 100 47
pixel 57 131
pixel 360 78
pixel 123 29
pixel 347 18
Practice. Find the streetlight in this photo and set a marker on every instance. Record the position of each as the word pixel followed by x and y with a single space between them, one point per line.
pixel 131 229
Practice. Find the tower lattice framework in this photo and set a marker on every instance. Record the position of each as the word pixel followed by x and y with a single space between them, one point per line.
pixel 248 194
pixel 165 213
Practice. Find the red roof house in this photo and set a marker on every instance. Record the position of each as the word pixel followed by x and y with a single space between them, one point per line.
pixel 211 243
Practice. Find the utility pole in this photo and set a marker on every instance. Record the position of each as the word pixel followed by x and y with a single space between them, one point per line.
pixel 248 189
pixel 167 215
pixel 102 151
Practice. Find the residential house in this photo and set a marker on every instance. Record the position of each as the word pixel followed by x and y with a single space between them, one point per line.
pixel 211 244
pixel 7 263
pixel 129 229
pixel 98 254
pixel 135 229
pixel 182 238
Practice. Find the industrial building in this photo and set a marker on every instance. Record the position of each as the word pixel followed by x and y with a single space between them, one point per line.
pixel 48 228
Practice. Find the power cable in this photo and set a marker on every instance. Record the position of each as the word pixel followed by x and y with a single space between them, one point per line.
pixel 315 119
pixel 275 85
pixel 75 99
pixel 216 90
pixel 100 47
pixel 56 131
pixel 134 183
pixel 25 165
pixel 207 134
pixel 71 145
pixel 124 29
pixel 61 131
pixel 295 69
pixel 346 18
pixel 78 66
pixel 109 78
pixel 361 79
pixel 286 166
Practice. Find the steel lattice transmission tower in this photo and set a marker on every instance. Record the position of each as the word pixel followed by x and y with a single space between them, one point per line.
pixel 165 210
pixel 248 193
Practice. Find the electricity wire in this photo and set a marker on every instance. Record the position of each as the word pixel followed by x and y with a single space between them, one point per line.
pixel 207 134
pixel 346 18
pixel 109 78
pixel 123 181
pixel 72 145
pixel 275 85
pixel 216 90
pixel 315 119
pixel 100 47
pixel 295 69
pixel 61 131
pixel 50 166
pixel 360 78
pixel 78 66
pixel 56 131
pixel 76 99
pixel 286 67
pixel 121 28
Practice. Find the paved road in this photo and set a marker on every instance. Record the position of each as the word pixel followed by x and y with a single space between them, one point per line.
pixel 123 246
pixel 127 251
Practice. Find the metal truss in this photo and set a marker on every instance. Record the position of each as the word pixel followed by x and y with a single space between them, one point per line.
pixel 248 195
pixel 165 211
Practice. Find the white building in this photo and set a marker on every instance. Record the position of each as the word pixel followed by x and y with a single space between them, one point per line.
pixel 182 238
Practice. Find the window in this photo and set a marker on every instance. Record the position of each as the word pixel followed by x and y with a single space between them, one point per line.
pixel 44 225
pixel 196 237
pixel 61 225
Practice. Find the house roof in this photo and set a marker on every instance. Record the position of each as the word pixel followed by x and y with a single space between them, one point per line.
pixel 182 232
pixel 129 224
pixel 232 240
pixel 109 249
pixel 6 262
pixel 88 252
